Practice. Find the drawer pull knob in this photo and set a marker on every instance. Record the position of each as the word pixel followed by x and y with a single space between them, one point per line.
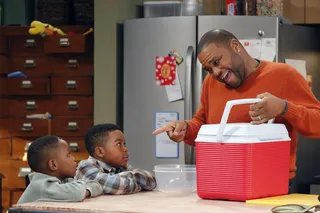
pixel 30 43
pixel 72 63
pixel 64 42
pixel 72 126
pixel 29 63
pixel 30 105
pixel 74 146
pixel 26 147
pixel 26 84
pixel 73 105
pixel 71 84
pixel 27 127
pixel 23 171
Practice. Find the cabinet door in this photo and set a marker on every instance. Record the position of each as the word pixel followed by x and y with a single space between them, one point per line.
pixel 66 44
pixel 3 44
pixel 22 106
pixel 72 65
pixel 26 45
pixel 3 64
pixel 72 106
pixel 28 127
pixel 31 66
pixel 71 86
pixel 27 86
pixel 71 127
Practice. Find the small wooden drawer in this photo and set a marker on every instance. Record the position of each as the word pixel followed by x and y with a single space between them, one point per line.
pixel 14 172
pixel 3 64
pixel 72 106
pixel 20 107
pixel 15 196
pixel 15 30
pixel 76 144
pixel 5 147
pixel 18 170
pixel 31 66
pixel 4 133
pixel 28 86
pixel 72 65
pixel 65 44
pixel 5 170
pixel 71 127
pixel 28 127
pixel 3 83
pixel 5 200
pixel 71 85
pixel 3 44
pixel 78 29
pixel 20 145
pixel 4 108
pixel 26 45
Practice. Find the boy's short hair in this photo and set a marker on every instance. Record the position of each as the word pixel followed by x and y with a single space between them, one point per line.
pixel 95 135
pixel 39 152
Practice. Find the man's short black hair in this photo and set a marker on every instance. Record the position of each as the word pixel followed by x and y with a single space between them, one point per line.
pixel 218 37
pixel 95 135
pixel 39 152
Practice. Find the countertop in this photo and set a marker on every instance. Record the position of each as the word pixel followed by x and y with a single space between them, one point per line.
pixel 148 202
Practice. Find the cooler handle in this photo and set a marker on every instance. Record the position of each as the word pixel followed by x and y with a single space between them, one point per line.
pixel 227 110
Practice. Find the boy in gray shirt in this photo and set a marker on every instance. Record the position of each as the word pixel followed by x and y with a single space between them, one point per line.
pixel 55 167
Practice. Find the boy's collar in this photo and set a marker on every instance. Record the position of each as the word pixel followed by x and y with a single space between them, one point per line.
pixel 104 165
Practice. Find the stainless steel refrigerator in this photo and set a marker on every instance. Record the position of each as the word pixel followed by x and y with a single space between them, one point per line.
pixel 144 39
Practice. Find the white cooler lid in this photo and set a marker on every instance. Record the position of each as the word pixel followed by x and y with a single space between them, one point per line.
pixel 160 2
pixel 243 133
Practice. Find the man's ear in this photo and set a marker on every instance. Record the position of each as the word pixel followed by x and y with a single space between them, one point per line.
pixel 99 151
pixel 53 165
pixel 235 46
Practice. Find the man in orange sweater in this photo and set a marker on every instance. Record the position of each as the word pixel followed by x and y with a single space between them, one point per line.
pixel 234 74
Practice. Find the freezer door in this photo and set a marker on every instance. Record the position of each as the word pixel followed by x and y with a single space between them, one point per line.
pixel 144 39
pixel 243 27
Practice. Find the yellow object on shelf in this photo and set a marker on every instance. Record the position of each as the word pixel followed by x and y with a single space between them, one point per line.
pixel 304 199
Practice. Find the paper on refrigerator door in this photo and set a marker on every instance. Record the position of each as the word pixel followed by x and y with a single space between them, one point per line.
pixel 174 92
pixel 252 46
pixel 299 65
pixel 164 147
pixel 268 49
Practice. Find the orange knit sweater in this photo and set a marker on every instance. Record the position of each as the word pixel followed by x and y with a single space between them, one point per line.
pixel 281 80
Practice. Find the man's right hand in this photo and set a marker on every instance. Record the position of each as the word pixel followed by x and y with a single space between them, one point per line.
pixel 176 130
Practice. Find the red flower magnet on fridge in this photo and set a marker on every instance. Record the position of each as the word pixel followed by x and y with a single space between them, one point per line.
pixel 165 70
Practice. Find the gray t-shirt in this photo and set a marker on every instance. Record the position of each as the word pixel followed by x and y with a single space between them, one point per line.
pixel 48 188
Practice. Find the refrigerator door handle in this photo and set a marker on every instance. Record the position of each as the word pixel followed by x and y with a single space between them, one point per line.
pixel 188 83
pixel 188 106
pixel 197 86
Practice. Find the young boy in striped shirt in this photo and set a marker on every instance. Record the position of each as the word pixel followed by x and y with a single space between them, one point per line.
pixel 108 163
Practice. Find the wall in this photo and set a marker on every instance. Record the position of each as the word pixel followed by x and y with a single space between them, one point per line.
pixel 18 12
pixel 107 14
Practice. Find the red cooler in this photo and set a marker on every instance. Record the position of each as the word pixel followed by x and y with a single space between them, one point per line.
pixel 240 161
